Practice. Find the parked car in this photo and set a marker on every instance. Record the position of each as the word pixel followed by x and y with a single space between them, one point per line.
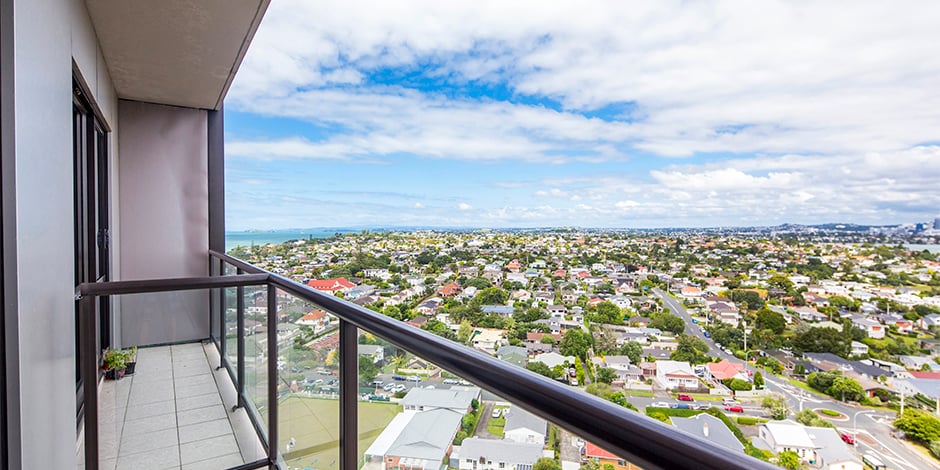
pixel 684 397
pixel 735 408
pixel 414 378
pixel 398 377
pixel 377 383
pixel 400 388
pixel 848 438
pixel 699 406
pixel 660 404
pixel 681 406
pixel 730 402
pixel 496 412
pixel 450 381
pixel 707 334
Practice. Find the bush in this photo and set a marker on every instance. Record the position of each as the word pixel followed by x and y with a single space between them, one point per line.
pixel 919 426
pixel 830 412
pixel 747 420
pixel 935 449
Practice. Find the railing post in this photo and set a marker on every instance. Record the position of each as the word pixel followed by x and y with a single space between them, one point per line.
pixel 222 312
pixel 348 395
pixel 240 335
pixel 272 375
pixel 89 368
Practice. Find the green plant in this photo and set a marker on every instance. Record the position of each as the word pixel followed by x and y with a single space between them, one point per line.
pixel 747 420
pixel 829 412
pixel 131 354
pixel 115 359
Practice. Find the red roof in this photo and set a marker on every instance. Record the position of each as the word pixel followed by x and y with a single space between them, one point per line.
pixel 449 289
pixel 331 285
pixel 314 315
pixel 924 375
pixel 724 369
pixel 591 450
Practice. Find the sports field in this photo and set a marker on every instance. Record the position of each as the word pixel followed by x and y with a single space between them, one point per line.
pixel 313 424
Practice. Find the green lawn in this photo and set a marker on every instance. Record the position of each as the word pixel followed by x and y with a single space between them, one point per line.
pixel 495 425
pixel 313 423
pixel 797 383
pixel 639 393
pixel 706 397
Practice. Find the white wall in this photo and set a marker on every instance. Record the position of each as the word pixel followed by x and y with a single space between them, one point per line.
pixel 48 33
pixel 164 219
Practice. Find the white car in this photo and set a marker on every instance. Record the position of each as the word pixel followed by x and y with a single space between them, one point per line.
pixel 450 381
pixel 496 412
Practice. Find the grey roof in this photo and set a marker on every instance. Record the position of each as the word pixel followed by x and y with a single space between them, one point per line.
pixel 452 398
pixel 427 436
pixel 830 448
pixel 517 418
pixel 500 451
pixel 498 309
pixel 368 348
pixel 717 431
pixel 857 366
pixel 510 350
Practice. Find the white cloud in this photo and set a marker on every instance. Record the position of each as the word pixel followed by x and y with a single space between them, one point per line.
pixel 464 206
pixel 816 77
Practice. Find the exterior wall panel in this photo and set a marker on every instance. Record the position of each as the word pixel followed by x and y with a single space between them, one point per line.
pixel 164 218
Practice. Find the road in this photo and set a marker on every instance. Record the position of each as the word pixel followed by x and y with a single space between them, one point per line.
pixel 873 425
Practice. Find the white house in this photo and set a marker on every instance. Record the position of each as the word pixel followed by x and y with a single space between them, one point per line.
pixel 673 375
pixel 491 454
pixel 522 426
pixel 788 435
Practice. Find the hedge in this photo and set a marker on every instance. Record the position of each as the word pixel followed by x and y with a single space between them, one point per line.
pixel 829 412
pixel 747 420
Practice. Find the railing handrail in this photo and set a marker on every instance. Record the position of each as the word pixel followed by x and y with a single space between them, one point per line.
pixel 632 436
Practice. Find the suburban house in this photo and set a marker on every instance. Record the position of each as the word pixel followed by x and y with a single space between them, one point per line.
pixel 317 319
pixel 553 359
pixel 524 427
pixel 832 452
pixel 419 440
pixel 493 454
pixel 487 339
pixel 340 284
pixel 789 435
pixel 513 354
pixel 709 427
pixel 604 458
pixel 673 375
pixel 373 351
pixel 457 399
pixel 726 370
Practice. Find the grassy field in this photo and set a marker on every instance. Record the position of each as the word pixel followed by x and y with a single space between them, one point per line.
pixel 313 423
pixel 638 393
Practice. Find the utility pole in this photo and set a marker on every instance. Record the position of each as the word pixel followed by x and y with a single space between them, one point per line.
pixel 902 404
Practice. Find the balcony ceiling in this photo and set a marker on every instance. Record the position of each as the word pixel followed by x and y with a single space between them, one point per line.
pixel 175 52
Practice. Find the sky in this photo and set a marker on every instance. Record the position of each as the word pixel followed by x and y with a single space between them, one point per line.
pixel 588 114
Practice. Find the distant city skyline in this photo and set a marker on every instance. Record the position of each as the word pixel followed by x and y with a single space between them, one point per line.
pixel 477 114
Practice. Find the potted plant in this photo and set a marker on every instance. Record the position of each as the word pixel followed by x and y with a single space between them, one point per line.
pixel 130 360
pixel 115 363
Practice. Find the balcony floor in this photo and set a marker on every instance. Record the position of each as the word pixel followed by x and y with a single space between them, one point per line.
pixel 171 414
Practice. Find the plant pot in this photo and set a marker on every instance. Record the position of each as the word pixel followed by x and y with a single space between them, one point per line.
pixel 129 368
pixel 114 374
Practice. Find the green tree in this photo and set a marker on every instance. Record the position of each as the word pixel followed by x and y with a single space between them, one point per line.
pixel 769 320
pixel 633 350
pixel 546 463
pixel 464 331
pixel 690 349
pixel 845 388
pixel 542 369
pixel 738 385
pixel 758 380
pixel 668 322
pixel 919 426
pixel 776 406
pixel 491 296
pixel 367 370
pixel 827 340
pixel 789 460
pixel 606 375
pixel 575 342
pixel 608 313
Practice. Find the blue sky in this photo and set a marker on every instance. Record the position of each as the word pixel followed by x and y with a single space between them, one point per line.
pixel 533 114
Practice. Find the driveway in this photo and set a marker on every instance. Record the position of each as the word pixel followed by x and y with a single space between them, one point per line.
pixel 481 431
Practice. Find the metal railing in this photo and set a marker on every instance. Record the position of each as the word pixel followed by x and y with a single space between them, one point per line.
pixel 632 436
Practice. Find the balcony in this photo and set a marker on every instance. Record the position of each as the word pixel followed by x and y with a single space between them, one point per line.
pixel 299 397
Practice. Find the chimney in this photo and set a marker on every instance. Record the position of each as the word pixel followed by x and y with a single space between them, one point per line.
pixel 705 429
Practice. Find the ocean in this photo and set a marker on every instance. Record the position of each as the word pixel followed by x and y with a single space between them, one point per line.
pixel 264 237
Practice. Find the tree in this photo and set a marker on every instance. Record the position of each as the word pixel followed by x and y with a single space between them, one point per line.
pixel 919 426
pixel 633 350
pixel 827 340
pixel 576 342
pixel 846 388
pixel 789 460
pixel 777 406
pixel 606 375
pixel 690 349
pixel 769 320
pixel 491 296
pixel 758 380
pixel 542 369
pixel 668 322
pixel 608 313
pixel 546 463
pixel 367 370
pixel 464 332
pixel 737 385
